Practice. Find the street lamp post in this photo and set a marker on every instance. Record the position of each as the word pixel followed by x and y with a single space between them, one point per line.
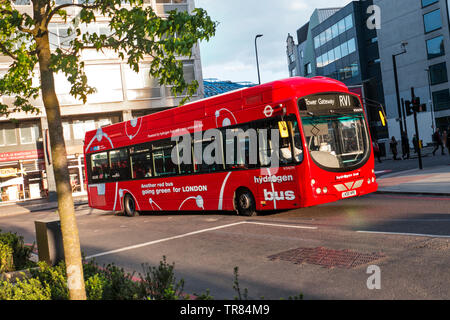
pixel 257 62
pixel 394 63
pixel 433 121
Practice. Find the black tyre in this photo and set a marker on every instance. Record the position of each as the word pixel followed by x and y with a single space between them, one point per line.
pixel 245 203
pixel 129 206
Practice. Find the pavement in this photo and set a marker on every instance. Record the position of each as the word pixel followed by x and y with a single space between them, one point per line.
pixel 429 181
pixel 405 177
pixel 35 206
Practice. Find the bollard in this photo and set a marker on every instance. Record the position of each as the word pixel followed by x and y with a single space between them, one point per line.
pixel 49 241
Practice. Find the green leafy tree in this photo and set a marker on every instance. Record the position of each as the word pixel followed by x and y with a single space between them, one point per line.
pixel 135 32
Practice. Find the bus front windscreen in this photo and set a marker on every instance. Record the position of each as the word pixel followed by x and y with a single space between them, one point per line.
pixel 336 135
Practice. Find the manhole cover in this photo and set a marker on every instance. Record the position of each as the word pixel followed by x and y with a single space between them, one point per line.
pixel 328 258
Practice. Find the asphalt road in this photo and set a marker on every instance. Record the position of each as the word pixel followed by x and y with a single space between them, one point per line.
pixel 408 238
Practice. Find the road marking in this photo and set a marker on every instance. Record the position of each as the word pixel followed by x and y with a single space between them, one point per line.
pixel 407 234
pixel 191 234
pixel 280 225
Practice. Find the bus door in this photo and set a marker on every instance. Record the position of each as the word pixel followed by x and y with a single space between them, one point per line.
pixel 280 150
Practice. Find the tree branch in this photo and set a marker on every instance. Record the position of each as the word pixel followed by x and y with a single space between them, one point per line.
pixel 67 5
pixel 5 50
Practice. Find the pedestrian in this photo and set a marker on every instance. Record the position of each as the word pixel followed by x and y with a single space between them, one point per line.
pixel 437 139
pixel 448 142
pixel 444 140
pixel 376 150
pixel 415 144
pixel 393 146
pixel 405 146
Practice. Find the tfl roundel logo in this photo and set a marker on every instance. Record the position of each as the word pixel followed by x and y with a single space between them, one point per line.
pixel 268 111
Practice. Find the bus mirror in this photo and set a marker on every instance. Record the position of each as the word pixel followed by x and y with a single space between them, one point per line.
pixel 382 118
pixel 284 133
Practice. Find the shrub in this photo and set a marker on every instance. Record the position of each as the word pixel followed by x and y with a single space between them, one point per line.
pixel 159 283
pixel 6 258
pixel 118 285
pixel 21 253
pixel 55 277
pixel 94 287
pixel 27 289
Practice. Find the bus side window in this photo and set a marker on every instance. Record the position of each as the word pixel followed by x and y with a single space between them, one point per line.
pixel 162 158
pixel 100 167
pixel 141 162
pixel 266 146
pixel 119 164
pixel 208 154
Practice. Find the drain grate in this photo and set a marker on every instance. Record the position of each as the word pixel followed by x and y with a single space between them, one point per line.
pixel 328 258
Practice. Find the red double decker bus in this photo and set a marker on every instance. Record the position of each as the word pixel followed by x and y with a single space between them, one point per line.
pixel 315 129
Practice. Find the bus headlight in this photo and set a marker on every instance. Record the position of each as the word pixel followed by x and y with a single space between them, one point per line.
pixel 313 182
pixel 318 191
pixel 325 190
pixel 373 179
pixel 368 181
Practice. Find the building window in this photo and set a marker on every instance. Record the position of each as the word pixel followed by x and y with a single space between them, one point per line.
pixel 435 47
pixel 107 80
pixel 189 76
pixel 29 133
pixel 141 85
pixel 337 53
pixel 351 46
pixel 334 31
pixel 22 2
pixel 426 3
pixel 438 73
pixel 293 72
pixel 170 1
pixel 76 128
pixel 432 20
pixel 66 131
pixel 441 100
pixel 308 69
pixel 348 22
pixel 80 128
pixel 8 135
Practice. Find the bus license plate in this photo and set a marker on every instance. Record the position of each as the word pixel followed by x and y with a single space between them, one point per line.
pixel 349 194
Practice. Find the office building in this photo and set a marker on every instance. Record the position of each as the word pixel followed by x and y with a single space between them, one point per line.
pixel 417 32
pixel 337 43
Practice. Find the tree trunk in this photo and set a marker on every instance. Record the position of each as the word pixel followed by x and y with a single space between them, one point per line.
pixel 71 242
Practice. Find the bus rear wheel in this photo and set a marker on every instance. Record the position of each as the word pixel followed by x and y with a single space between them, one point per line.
pixel 129 206
pixel 245 203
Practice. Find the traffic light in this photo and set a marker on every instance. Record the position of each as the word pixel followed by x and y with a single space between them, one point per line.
pixel 416 104
pixel 408 108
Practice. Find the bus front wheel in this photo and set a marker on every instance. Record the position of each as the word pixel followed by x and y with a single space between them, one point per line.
pixel 245 203
pixel 129 206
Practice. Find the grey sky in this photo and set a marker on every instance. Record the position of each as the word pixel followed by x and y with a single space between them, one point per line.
pixel 230 55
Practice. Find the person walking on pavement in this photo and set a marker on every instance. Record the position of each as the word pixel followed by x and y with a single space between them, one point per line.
pixel 445 139
pixel 405 146
pixel 448 142
pixel 437 139
pixel 393 146
pixel 376 150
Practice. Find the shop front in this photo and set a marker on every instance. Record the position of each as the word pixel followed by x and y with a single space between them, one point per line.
pixel 76 173
pixel 22 176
